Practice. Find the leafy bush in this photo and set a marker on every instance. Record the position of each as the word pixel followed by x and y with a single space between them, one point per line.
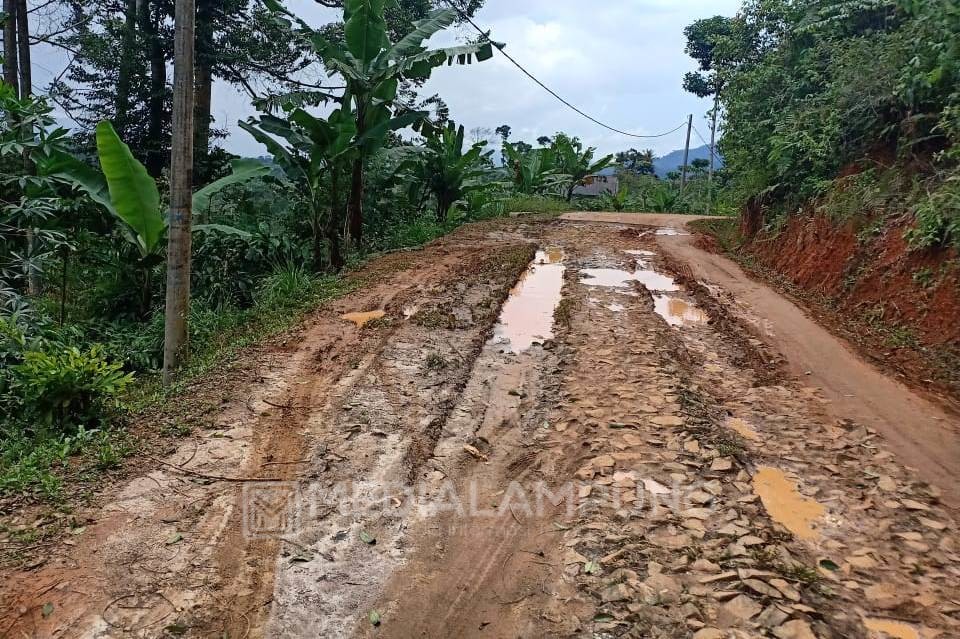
pixel 937 217
pixel 66 388
pixel 283 286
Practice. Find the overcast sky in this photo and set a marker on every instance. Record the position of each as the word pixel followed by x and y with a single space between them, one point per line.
pixel 621 61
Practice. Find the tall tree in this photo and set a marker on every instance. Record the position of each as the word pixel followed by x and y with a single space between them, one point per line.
pixel 711 43
pixel 175 333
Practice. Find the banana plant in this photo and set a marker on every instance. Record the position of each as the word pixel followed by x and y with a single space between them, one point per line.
pixel 534 171
pixel 372 68
pixel 445 171
pixel 315 151
pixel 576 163
pixel 125 189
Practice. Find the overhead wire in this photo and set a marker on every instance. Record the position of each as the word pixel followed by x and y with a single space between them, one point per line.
pixel 707 144
pixel 486 34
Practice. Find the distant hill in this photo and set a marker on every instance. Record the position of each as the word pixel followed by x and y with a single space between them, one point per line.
pixel 672 161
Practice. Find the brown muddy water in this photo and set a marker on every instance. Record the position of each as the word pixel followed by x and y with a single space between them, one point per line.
pixel 618 278
pixel 527 315
pixel 678 312
pixel 361 319
pixel 785 504
pixel 892 628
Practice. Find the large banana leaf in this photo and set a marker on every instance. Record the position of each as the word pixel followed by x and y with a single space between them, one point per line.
pixel 422 31
pixel 133 192
pixel 243 170
pixel 365 29
pixel 67 167
pixel 290 164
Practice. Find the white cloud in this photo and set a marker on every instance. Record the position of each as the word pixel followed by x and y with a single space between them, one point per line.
pixel 621 61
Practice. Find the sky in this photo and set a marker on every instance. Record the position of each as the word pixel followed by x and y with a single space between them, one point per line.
pixel 621 61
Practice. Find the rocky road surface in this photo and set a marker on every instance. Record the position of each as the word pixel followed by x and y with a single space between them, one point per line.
pixel 627 447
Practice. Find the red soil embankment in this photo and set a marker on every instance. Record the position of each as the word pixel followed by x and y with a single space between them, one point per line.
pixel 877 278
pixel 900 305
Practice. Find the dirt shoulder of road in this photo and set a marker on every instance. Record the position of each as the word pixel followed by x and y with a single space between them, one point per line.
pixel 894 323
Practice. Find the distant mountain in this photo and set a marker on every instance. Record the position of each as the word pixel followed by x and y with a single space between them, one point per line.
pixel 673 161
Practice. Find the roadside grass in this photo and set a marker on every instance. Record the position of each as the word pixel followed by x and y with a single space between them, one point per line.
pixel 537 204
pixel 54 467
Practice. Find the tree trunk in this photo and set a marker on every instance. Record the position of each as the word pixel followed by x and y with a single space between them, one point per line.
pixel 10 46
pixel 146 292
pixel 334 222
pixel 175 342
pixel 203 98
pixel 23 49
pixel 125 70
pixel 25 78
pixel 65 263
pixel 158 88
pixel 318 233
pixel 356 202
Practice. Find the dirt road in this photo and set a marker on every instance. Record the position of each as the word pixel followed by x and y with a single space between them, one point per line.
pixel 624 448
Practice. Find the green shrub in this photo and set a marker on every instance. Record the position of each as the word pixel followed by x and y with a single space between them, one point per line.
pixel 66 388
pixel 283 286
pixel 937 218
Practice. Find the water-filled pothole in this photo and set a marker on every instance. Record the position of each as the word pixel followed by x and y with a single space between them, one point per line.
pixel 785 504
pixel 527 315
pixel 678 312
pixel 363 318
pixel 891 627
pixel 670 231
pixel 617 278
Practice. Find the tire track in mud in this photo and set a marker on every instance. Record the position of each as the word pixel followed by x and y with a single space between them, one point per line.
pixel 168 550
pixel 633 408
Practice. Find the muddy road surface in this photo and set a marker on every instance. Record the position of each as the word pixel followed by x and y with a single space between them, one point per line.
pixel 532 428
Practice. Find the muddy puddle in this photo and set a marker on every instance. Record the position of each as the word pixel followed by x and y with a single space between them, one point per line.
pixel 527 315
pixel 361 319
pixel 618 278
pixel 743 428
pixel 785 504
pixel 678 312
pixel 892 628
pixel 670 231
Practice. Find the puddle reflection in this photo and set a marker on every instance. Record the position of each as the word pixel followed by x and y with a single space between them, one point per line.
pixel 527 315
pixel 617 278
pixel 678 312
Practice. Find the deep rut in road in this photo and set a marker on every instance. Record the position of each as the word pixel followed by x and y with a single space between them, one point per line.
pixel 646 466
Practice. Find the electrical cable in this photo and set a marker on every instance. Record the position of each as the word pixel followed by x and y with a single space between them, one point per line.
pixel 486 34
pixel 707 144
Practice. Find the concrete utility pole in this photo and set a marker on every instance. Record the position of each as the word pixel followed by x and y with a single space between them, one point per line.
pixel 713 151
pixel 686 155
pixel 175 335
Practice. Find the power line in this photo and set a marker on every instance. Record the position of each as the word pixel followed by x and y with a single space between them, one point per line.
pixel 707 144
pixel 486 34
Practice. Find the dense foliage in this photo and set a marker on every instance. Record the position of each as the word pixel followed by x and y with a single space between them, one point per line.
pixel 840 99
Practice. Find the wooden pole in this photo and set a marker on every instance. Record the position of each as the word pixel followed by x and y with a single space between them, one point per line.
pixel 686 155
pixel 175 334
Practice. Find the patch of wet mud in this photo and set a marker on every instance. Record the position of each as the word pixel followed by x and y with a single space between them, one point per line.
pixel 363 318
pixel 678 312
pixel 892 628
pixel 618 278
pixel 527 316
pixel 786 505
pixel 669 231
